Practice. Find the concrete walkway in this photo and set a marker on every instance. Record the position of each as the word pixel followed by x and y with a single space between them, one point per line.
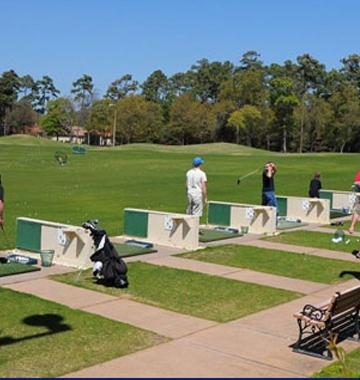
pixel 254 346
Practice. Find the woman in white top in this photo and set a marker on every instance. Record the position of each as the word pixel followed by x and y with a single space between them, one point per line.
pixel 196 187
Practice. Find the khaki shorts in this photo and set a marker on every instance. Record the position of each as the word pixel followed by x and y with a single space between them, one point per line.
pixel 356 208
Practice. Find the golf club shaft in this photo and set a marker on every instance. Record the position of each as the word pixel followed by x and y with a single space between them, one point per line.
pixel 249 174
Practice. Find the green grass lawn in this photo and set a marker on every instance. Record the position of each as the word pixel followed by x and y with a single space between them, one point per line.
pixel 209 297
pixel 335 369
pixel 39 338
pixel 102 182
pixel 288 264
pixel 316 240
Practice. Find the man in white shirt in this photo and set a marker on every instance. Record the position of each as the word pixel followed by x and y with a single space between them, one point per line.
pixel 196 187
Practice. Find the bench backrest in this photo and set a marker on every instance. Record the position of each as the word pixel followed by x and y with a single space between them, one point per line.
pixel 346 301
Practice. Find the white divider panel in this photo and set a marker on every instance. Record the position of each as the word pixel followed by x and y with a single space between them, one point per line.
pixel 72 245
pixel 259 219
pixel 344 200
pixel 171 229
pixel 309 210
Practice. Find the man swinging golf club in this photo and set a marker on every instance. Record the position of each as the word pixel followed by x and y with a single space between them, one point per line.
pixel 196 188
pixel 268 188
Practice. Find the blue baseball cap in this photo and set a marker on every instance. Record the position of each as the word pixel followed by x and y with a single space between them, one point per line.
pixel 197 161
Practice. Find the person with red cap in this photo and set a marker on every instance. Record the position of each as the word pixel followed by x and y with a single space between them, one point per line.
pixel 356 208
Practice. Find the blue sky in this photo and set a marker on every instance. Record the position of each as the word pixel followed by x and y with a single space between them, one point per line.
pixel 109 38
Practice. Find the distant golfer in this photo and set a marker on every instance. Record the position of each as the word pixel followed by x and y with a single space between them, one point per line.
pixel 196 187
pixel 315 186
pixel 268 188
pixel 1 204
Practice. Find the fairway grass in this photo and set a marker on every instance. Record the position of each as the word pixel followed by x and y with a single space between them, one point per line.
pixel 39 338
pixel 316 240
pixel 200 295
pixel 281 263
pixel 104 181
pixel 336 370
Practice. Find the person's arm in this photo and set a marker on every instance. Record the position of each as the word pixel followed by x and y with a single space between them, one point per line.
pixel 205 192
pixel 269 171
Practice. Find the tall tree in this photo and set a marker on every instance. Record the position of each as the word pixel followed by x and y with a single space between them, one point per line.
pixel 191 121
pixel 155 88
pixel 351 69
pixel 248 119
pixel 245 87
pixel 309 75
pixel 26 86
pixel 9 85
pixel 83 90
pixel 122 87
pixel 21 115
pixel 283 101
pixel 44 90
pixel 250 60
pixel 207 77
pixel 138 120
pixel 58 118
pixel 346 107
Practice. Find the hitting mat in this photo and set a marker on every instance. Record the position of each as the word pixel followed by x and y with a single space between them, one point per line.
pixel 338 213
pixel 126 250
pixel 284 224
pixel 10 269
pixel 207 235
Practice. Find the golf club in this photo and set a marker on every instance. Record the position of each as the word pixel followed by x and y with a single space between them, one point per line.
pixel 240 179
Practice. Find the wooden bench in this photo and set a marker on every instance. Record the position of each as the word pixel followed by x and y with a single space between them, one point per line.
pixel 338 316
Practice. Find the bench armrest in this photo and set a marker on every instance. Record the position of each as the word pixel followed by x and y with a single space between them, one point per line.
pixel 314 313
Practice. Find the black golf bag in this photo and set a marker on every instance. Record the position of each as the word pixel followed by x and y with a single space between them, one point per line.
pixel 109 268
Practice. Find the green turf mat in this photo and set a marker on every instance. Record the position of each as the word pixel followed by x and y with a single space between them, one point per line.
pixel 287 224
pixel 337 214
pixel 9 269
pixel 126 250
pixel 213 235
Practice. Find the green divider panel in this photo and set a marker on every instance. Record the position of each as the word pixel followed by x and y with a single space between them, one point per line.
pixel 282 206
pixel 219 214
pixel 136 223
pixel 28 235
pixel 327 195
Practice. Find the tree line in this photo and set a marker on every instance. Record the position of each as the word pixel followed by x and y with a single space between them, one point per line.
pixel 295 106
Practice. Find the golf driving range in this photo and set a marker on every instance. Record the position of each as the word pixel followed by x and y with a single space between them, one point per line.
pixel 215 288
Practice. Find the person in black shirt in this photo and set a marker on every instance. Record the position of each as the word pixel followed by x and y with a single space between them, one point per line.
pixel 1 203
pixel 268 188
pixel 315 186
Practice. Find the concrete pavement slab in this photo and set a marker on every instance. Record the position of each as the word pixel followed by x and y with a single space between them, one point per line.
pixel 181 359
pixel 61 293
pixel 161 321
pixel 258 347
